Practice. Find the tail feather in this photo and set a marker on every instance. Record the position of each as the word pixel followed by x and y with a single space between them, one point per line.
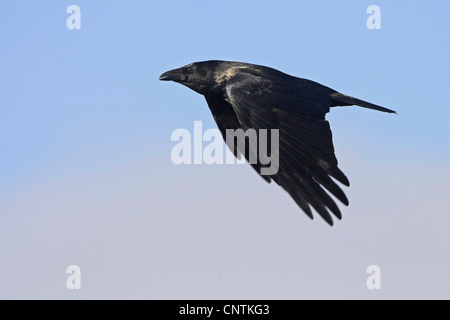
pixel 339 99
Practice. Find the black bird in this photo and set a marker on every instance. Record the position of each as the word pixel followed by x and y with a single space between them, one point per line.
pixel 244 96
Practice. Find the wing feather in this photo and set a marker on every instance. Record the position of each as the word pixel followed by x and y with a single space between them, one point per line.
pixel 307 160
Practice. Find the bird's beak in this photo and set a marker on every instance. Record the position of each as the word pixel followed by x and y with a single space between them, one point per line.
pixel 172 75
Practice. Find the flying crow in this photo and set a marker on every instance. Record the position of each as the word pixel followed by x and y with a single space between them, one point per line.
pixel 246 96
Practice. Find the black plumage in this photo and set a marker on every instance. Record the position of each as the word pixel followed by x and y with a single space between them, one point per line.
pixel 244 96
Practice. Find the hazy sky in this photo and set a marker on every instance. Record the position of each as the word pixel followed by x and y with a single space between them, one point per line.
pixel 86 177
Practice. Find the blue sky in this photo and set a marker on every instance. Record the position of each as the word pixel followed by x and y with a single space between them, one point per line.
pixel 85 129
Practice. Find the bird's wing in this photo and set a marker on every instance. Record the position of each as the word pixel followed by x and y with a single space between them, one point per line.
pixel 226 118
pixel 306 153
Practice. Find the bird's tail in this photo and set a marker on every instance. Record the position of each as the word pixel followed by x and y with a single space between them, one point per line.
pixel 339 99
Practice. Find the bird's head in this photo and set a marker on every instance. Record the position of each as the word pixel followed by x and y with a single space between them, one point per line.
pixel 199 76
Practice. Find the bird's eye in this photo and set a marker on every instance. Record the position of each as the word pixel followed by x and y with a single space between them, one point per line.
pixel 189 70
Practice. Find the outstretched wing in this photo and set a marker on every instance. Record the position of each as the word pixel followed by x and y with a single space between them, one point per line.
pixel 306 153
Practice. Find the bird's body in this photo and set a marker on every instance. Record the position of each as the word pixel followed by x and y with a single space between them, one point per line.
pixel 246 96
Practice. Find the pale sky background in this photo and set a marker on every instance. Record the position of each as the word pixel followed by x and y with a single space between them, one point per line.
pixel 86 176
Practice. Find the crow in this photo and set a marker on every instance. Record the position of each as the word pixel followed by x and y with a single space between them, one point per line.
pixel 247 96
